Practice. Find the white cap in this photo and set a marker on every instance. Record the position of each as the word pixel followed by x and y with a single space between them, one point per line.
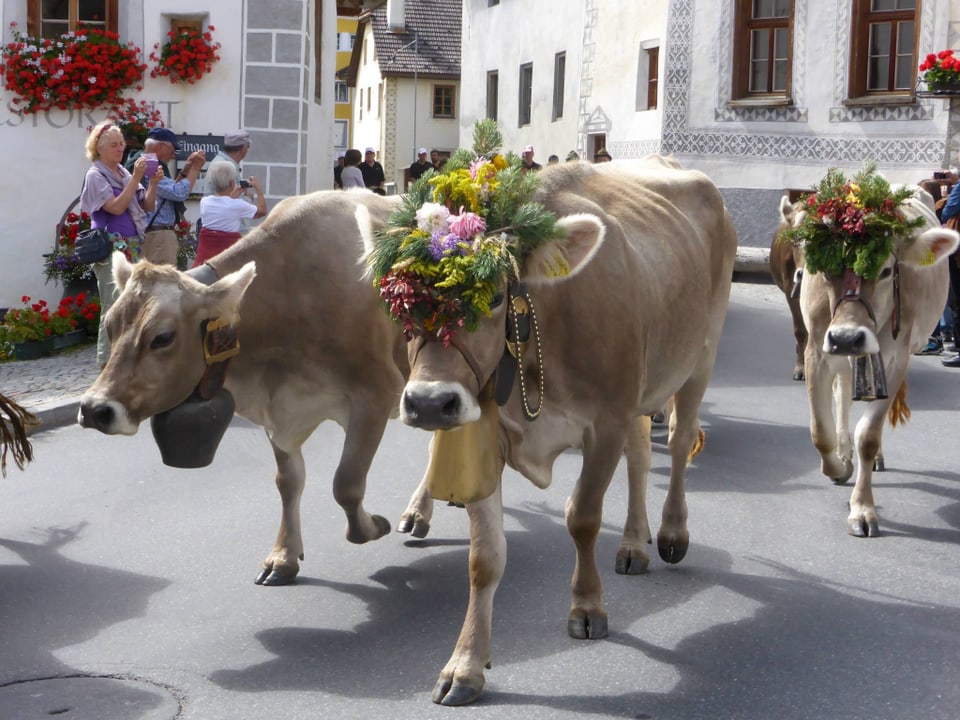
pixel 422 151
pixel 341 154
pixel 528 148
pixel 370 149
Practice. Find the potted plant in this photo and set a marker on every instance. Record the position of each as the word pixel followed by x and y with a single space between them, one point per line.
pixel 62 265
pixel 941 72
pixel 85 68
pixel 186 56
pixel 135 119
pixel 25 331
pixel 68 323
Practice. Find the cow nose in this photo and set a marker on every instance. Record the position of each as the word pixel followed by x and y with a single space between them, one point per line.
pixel 100 417
pixel 846 341
pixel 433 411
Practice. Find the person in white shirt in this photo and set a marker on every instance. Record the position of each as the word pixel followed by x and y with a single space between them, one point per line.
pixel 222 213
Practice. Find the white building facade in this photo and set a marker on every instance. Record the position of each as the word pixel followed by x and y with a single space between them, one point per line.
pixel 679 78
pixel 275 78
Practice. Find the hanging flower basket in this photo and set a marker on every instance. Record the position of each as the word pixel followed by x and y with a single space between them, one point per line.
pixel 62 265
pixel 87 68
pixel 186 57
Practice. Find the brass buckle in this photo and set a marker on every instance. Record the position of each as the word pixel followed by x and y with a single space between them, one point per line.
pixel 219 341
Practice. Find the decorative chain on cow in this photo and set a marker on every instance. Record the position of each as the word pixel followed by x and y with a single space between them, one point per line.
pixel 848 229
pixel 440 262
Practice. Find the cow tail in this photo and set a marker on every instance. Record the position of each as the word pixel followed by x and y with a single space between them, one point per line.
pixel 14 421
pixel 899 412
pixel 697 446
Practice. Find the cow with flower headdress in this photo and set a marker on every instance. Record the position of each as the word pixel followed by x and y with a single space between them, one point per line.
pixel 875 285
pixel 548 311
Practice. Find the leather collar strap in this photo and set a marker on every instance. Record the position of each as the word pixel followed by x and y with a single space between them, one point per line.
pixel 219 340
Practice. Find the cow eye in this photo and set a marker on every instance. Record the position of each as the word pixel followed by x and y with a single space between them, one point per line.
pixel 497 301
pixel 162 340
pixel 885 273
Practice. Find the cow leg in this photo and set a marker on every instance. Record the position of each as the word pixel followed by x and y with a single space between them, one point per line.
pixel 416 518
pixel 584 512
pixel 863 520
pixel 800 333
pixel 632 557
pixel 461 680
pixel 281 566
pixel 364 432
pixel 673 539
pixel 823 430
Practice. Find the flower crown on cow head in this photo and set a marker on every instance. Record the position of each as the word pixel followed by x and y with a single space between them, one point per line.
pixel 852 223
pixel 443 255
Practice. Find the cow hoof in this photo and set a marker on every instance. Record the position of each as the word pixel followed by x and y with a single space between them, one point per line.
pixel 462 692
pixel 413 524
pixel 587 626
pixel 862 527
pixel 356 534
pixel 276 576
pixel 672 551
pixel 630 562
pixel 798 376
pixel 878 465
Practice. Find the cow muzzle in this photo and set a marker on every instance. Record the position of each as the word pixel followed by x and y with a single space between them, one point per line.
pixel 437 405
pixel 107 416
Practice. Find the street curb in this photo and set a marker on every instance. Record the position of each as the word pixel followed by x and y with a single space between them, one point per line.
pixel 53 415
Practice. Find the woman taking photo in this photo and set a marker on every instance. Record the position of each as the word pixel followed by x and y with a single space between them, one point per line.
pixel 115 200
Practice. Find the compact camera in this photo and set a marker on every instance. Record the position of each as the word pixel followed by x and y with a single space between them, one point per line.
pixel 244 183
pixel 939 175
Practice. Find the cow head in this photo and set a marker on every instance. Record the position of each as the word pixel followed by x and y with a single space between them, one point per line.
pixel 446 378
pixel 156 354
pixel 860 307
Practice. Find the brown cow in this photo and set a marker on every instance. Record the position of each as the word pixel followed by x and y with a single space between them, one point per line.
pixel 849 319
pixel 651 250
pixel 302 360
pixel 786 267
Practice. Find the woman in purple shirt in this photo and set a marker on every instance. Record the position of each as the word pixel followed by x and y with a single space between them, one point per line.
pixel 114 199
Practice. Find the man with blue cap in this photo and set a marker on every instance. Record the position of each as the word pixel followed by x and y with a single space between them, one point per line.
pixel 160 239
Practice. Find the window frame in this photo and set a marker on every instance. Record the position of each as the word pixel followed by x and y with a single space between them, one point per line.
pixel 744 25
pixel 35 12
pixel 525 95
pixel 493 94
pixel 648 77
pixel 439 90
pixel 863 17
pixel 559 84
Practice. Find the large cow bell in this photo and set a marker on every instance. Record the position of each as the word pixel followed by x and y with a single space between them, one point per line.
pixel 188 435
pixel 869 378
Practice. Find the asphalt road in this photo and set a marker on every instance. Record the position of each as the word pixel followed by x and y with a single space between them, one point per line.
pixel 133 582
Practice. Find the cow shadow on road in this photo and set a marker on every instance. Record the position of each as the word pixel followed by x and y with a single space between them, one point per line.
pixel 48 602
pixel 778 643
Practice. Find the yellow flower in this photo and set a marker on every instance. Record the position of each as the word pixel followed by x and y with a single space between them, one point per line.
pixel 499 162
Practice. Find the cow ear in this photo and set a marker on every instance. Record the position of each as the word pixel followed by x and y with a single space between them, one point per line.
pixel 554 261
pixel 931 247
pixel 224 296
pixel 122 269
pixel 787 210
pixel 365 225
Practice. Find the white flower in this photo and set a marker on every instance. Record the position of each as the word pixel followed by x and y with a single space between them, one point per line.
pixel 432 217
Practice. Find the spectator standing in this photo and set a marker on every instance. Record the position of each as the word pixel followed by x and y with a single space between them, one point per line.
pixel 572 156
pixel 115 200
pixel 436 160
pixel 601 156
pixel 222 213
pixel 553 160
pixel 528 162
pixel 337 169
pixel 236 145
pixel 373 177
pixel 951 212
pixel 160 238
pixel 419 166
pixel 351 177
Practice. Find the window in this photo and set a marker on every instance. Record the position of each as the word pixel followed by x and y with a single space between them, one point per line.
pixel 493 91
pixel 559 70
pixel 369 93
pixel 883 52
pixel 648 74
pixel 763 48
pixel 444 97
pixel 50 18
pixel 345 41
pixel 526 93
pixel 380 100
pixel 341 92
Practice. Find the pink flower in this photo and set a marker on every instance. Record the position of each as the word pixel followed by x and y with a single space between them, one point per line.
pixel 467 225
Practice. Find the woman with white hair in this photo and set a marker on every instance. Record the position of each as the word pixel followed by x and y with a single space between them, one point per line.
pixel 222 213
